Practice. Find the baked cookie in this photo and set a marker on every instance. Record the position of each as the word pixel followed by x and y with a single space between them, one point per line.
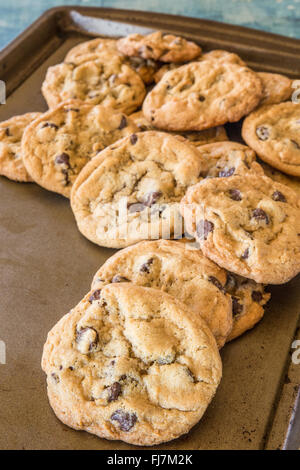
pixel 105 80
pixel 131 191
pixel 277 88
pixel 186 274
pixel 159 46
pixel 290 181
pixel 224 159
pixel 248 301
pixel 197 138
pixel 11 132
pixel 58 144
pixel 201 95
pixel 274 133
pixel 247 224
pixel 131 363
pixel 218 54
pixel 92 50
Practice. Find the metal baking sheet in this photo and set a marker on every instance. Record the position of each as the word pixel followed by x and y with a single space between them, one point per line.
pixel 46 265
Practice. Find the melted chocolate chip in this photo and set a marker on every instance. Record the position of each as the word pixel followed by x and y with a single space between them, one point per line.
pixel 7 132
pixel 278 196
pixel 246 253
pixel 114 392
pixel 235 195
pixel 123 123
pixel 204 227
pixel 133 139
pixel 201 98
pixel 256 296
pixel 125 420
pixel 216 283
pixel 82 332
pixel 145 268
pixel 118 278
pixel 136 207
pixel 152 198
pixel 55 377
pixel 95 295
pixel 226 173
pixel 237 308
pixel 260 214
pixel 262 132
pixel 50 124
pixel 63 159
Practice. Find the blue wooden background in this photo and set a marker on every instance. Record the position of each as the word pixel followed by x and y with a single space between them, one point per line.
pixel 278 16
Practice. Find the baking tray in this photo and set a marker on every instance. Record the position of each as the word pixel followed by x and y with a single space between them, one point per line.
pixel 46 265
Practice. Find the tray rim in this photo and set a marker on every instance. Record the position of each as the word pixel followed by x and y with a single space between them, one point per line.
pixel 275 428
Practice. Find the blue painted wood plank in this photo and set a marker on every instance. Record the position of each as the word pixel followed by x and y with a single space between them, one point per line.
pixel 277 16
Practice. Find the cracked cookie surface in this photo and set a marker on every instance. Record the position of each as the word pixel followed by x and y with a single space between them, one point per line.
pixel 248 224
pixel 105 80
pixel 248 301
pixel 174 268
pixel 131 363
pixel 197 138
pixel 201 95
pixel 131 191
pixel 274 133
pixel 11 133
pixel 159 46
pixel 60 142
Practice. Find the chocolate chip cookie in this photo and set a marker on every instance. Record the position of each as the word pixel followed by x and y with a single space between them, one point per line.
pixel 224 159
pixel 247 224
pixel 291 181
pixel 277 88
pixel 201 95
pixel 96 48
pixel 105 80
pixel 274 133
pixel 57 145
pixel 11 132
pixel 248 301
pixel 197 138
pixel 159 46
pixel 131 191
pixel 186 274
pixel 131 363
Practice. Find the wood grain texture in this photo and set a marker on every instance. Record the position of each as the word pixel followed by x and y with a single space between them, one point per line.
pixel 277 16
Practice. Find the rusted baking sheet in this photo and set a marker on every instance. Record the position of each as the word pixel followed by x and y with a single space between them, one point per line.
pixel 46 265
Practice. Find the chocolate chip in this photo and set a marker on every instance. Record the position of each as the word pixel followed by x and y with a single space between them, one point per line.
pixel 295 144
pixel 226 173
pixel 235 195
pixel 216 283
pixel 118 278
pixel 151 198
pixel 49 124
pixel 201 98
pixel 260 214
pixel 237 308
pixel 136 207
pixel 80 337
pixel 145 268
pixel 75 110
pixel 204 227
pixel 7 132
pixel 123 123
pixel 95 295
pixel 55 377
pixel 262 132
pixel 133 139
pixel 63 159
pixel 246 253
pixel 114 392
pixel 278 196
pixel 125 420
pixel 256 296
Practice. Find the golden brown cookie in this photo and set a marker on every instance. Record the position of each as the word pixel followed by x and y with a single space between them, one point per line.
pixel 277 88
